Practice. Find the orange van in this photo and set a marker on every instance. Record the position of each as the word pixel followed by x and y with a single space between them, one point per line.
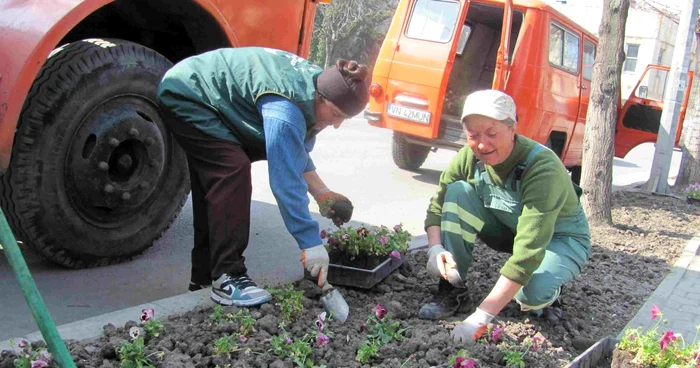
pixel 436 52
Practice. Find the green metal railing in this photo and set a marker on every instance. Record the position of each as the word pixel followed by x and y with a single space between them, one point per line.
pixel 36 304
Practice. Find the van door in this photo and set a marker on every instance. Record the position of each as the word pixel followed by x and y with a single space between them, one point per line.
pixel 640 117
pixel 421 65
pixel 575 149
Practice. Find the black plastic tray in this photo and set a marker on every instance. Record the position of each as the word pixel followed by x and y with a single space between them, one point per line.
pixel 359 277
pixel 593 356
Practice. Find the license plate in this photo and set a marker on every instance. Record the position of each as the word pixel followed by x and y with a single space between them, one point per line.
pixel 407 113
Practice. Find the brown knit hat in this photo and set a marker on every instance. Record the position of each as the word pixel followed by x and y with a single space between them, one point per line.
pixel 345 86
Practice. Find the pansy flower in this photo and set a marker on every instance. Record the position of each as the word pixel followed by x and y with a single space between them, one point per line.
pixel 321 321
pixel 39 364
pixel 147 314
pixel 380 311
pixel 134 332
pixel 461 362
pixel 496 334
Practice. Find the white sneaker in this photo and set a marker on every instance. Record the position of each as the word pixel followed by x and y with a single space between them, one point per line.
pixel 240 291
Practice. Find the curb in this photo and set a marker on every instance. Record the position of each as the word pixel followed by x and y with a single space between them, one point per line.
pixel 666 287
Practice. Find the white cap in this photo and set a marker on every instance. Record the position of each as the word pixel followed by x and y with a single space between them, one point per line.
pixel 492 103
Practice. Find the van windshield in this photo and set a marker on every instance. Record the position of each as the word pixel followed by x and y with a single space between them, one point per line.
pixel 433 20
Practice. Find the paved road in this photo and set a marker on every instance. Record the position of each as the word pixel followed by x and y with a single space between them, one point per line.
pixel 354 160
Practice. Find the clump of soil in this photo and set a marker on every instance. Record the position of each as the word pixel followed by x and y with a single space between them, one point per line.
pixel 627 262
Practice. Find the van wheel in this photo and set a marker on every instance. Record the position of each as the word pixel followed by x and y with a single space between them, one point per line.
pixel 94 177
pixel 408 156
pixel 576 174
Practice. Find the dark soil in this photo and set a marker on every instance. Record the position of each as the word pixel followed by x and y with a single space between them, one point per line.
pixel 627 262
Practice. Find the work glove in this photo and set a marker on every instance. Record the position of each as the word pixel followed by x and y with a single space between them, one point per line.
pixel 315 260
pixel 442 264
pixel 471 329
pixel 335 206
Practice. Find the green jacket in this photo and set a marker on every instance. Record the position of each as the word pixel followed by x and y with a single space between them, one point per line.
pixel 547 195
pixel 229 81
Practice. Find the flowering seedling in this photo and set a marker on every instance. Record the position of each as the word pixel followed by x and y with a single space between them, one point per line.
pixel 289 301
pixel 323 333
pixel 368 241
pixel 368 349
pixel 30 357
pixel 693 191
pixel 219 314
pixel 132 354
pixel 381 330
pixel 228 344
pixel 462 360
pixel 411 357
pixel 298 350
pixel 151 326
pixel 245 321
pixel 664 351
pixel 514 356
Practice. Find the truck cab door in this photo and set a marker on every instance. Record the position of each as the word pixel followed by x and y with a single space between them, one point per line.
pixel 421 65
pixel 640 117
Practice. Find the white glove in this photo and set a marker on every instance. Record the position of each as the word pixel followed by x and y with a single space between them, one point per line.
pixel 440 261
pixel 315 260
pixel 472 328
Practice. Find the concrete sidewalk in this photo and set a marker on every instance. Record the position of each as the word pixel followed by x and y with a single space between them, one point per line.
pixel 678 297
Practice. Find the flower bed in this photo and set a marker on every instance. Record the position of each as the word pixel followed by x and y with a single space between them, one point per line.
pixel 626 265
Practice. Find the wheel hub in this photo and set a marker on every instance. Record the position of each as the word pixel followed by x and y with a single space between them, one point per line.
pixel 116 159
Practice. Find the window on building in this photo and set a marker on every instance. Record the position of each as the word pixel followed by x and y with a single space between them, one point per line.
pixel 588 59
pixel 564 48
pixel 632 52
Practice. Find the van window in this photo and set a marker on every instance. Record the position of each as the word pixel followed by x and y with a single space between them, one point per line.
pixel 463 38
pixel 588 59
pixel 563 48
pixel 433 20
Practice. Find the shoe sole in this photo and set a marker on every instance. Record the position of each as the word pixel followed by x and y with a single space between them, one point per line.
pixel 238 303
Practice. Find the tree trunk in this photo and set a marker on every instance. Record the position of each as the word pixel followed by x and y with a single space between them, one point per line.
pixel 689 172
pixel 329 45
pixel 598 143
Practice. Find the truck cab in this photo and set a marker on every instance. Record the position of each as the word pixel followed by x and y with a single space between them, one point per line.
pixel 89 174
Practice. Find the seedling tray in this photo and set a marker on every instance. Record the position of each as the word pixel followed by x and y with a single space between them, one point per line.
pixel 360 277
pixel 596 354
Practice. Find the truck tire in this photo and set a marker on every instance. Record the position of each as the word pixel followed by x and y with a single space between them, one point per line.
pixel 94 178
pixel 408 156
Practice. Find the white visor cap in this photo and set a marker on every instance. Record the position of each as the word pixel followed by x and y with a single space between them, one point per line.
pixel 491 103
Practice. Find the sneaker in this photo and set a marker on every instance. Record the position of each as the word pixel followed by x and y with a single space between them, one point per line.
pixel 240 291
pixel 444 303
pixel 554 312
pixel 195 286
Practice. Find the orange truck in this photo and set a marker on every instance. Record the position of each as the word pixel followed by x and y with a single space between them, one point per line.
pixel 436 52
pixel 89 175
